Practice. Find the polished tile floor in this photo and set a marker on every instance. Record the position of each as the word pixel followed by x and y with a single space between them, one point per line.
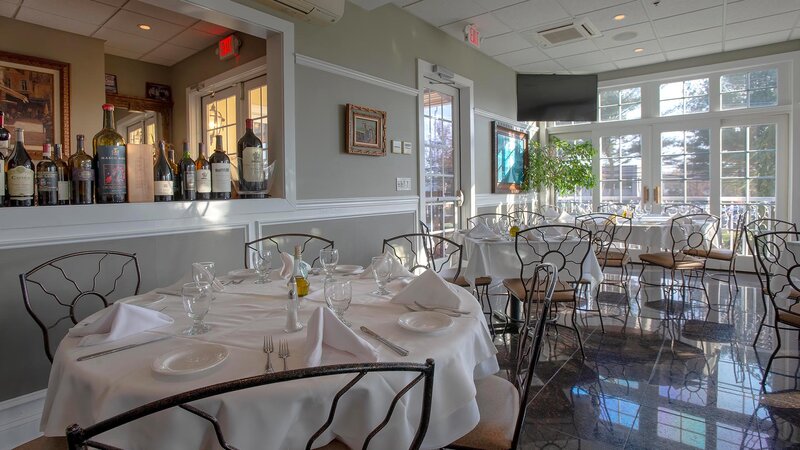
pixel 665 377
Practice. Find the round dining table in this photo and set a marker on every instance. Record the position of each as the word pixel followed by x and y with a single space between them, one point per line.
pixel 279 416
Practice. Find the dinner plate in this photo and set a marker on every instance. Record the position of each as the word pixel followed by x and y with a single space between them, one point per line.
pixel 348 268
pixel 492 239
pixel 195 358
pixel 242 273
pixel 145 300
pixel 428 322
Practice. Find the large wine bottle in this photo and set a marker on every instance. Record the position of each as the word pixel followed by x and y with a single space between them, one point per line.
pixel 188 175
pixel 110 161
pixel 5 137
pixel 63 175
pixel 203 174
pixel 82 173
pixel 250 156
pixel 47 179
pixel 163 176
pixel 176 173
pixel 220 172
pixel 20 174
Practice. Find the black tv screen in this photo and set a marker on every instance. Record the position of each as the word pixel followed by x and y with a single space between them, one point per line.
pixel 556 97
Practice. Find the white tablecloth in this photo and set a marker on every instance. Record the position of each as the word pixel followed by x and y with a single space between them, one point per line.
pixel 280 416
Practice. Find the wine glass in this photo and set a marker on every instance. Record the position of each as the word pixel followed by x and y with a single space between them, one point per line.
pixel 338 295
pixel 328 257
pixel 206 277
pixel 196 301
pixel 262 262
pixel 381 270
pixel 648 208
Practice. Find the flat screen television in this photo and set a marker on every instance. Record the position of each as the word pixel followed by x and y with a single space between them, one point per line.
pixel 556 97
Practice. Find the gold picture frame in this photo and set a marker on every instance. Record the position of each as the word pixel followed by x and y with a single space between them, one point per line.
pixel 365 131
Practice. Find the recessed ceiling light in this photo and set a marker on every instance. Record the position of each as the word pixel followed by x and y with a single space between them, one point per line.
pixel 619 17
pixel 143 26
pixel 638 50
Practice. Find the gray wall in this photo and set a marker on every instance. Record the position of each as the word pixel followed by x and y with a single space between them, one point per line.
pixel 483 154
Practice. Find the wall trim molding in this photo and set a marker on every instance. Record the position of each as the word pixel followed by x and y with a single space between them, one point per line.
pixel 336 69
pixel 19 419
pixel 493 116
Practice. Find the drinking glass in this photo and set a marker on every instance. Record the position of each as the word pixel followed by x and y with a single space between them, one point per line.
pixel 381 270
pixel 200 277
pixel 328 257
pixel 262 262
pixel 648 208
pixel 338 295
pixel 196 301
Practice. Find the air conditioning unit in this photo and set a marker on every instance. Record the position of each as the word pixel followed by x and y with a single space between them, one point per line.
pixel 564 34
pixel 314 11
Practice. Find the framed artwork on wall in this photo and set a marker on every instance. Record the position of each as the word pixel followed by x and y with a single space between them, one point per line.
pixel 365 131
pixel 509 157
pixel 34 93
pixel 157 91
pixel 111 83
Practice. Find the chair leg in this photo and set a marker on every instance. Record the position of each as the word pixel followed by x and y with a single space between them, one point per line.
pixel 763 318
pixel 575 328
pixel 597 303
pixel 774 353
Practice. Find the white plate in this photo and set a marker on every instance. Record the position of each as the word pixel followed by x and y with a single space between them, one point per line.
pixel 425 322
pixel 145 300
pixel 195 358
pixel 242 273
pixel 347 268
pixel 493 239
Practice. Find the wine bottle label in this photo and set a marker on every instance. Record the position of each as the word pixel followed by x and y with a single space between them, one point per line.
pixel 63 190
pixel 163 187
pixel 20 183
pixel 203 179
pixel 47 181
pixel 253 164
pixel 4 146
pixel 82 174
pixel 111 170
pixel 221 177
pixel 2 177
pixel 189 179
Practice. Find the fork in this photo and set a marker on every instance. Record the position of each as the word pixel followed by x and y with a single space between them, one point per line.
pixel 268 349
pixel 283 352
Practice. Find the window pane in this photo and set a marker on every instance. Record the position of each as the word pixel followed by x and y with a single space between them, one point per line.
pixel 672 143
pixel 762 137
pixel 762 164
pixel 630 112
pixel 609 147
pixel 733 190
pixel 733 100
pixel 632 95
pixel 609 97
pixel 763 79
pixel 734 139
pixel 733 164
pixel 686 166
pixel 763 97
pixel 733 82
pixel 694 88
pixel 609 113
pixel 763 190
pixel 671 167
pixel 749 89
pixel 696 105
pixel 621 160
pixel 671 90
pixel 671 107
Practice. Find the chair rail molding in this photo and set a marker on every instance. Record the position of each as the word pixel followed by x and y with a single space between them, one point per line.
pixel 19 419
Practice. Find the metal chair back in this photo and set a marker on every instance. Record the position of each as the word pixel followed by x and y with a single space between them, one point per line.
pixel 564 246
pixel 72 289
pixel 778 253
pixel 761 226
pixel 693 232
pixel 424 228
pixel 426 251
pixel 286 242
pixel 610 232
pixel 79 438
pixel 490 219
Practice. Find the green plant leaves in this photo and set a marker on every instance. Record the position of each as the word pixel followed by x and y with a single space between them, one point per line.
pixel 563 165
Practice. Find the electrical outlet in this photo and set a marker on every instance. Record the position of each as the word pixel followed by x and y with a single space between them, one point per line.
pixel 397 146
pixel 404 184
pixel 407 148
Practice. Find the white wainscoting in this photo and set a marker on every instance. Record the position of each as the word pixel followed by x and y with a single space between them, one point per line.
pixel 19 419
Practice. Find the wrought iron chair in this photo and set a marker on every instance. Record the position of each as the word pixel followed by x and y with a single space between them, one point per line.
pixel 79 438
pixel 74 288
pixel 503 404
pixel 724 254
pixel 751 230
pixel 286 242
pixel 527 218
pixel 438 253
pixel 490 219
pixel 610 234
pixel 780 266
pixel 564 246
pixel 676 208
pixel 424 228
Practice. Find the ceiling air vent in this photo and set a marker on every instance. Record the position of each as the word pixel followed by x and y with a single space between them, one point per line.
pixel 564 34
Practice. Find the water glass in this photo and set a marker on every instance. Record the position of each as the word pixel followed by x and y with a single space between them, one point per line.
pixel 648 208
pixel 201 277
pixel 381 270
pixel 338 295
pixel 196 301
pixel 262 262
pixel 329 258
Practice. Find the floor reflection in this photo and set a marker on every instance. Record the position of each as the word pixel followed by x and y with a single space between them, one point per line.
pixel 666 373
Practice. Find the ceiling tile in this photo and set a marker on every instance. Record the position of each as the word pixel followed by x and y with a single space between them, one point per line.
pixel 677 7
pixel 604 18
pixel 491 5
pixel 159 13
pixel 487 24
pixel 692 39
pixel 577 7
pixel 795 34
pixel 640 61
pixel 751 9
pixel 8 7
pixel 442 12
pixel 211 28
pixel 526 56
pixel 503 44
pixel 586 59
pixel 755 41
pixel 541 67
pixel 759 26
pixel 532 13
pixel 171 52
pixel 627 51
pixel 127 21
pixel 156 60
pixel 111 50
pixel 595 68
pixel 684 23
pixel 700 50
pixel 126 41
pixel 626 35
pixel 575 48
pixel 113 2
pixel 54 21
pixel 194 39
pixel 87 11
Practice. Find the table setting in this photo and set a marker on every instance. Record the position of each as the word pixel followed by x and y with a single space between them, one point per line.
pixel 220 328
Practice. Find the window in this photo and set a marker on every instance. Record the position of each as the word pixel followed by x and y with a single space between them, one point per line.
pixel 440 138
pixel 684 97
pixel 257 107
pixel 620 104
pixel 680 427
pixel 581 199
pixel 685 167
pixel 564 123
pixel 620 168
pixel 749 89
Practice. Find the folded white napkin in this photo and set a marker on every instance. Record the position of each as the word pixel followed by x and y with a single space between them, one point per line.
pixel 550 213
pixel 481 230
pixel 398 270
pixel 429 289
pixel 288 265
pixel 120 320
pixel 325 329
pixel 216 286
pixel 566 218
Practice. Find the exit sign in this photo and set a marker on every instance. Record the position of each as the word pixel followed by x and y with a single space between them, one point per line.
pixel 472 35
pixel 228 47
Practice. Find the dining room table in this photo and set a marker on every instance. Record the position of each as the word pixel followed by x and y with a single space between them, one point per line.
pixel 279 416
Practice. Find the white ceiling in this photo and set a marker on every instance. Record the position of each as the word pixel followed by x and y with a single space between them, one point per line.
pixel 172 37
pixel 665 30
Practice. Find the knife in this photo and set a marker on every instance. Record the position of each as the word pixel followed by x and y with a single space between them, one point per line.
pixel 396 348
pixel 119 349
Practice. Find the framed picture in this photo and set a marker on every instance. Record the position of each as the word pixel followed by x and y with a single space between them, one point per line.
pixel 111 83
pixel 34 93
pixel 157 91
pixel 366 131
pixel 509 157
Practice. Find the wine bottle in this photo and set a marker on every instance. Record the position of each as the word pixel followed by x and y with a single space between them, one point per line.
pixel 163 176
pixel 47 179
pixel 110 161
pixel 63 175
pixel 2 180
pixel 250 156
pixel 5 137
pixel 82 173
pixel 20 174
pixel 176 173
pixel 188 175
pixel 203 174
pixel 220 172
pixel 300 278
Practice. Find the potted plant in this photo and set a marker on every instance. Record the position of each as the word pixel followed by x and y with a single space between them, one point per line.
pixel 561 167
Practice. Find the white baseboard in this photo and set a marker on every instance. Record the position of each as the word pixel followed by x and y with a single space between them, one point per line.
pixel 19 419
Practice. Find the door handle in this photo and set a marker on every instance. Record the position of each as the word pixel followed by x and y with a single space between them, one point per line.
pixel 460 201
pixel 657 194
